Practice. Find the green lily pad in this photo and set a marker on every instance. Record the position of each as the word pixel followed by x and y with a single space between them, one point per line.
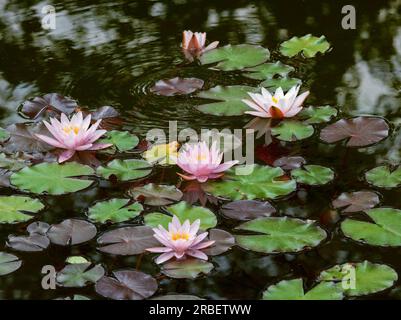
pixel 52 178
pixel 294 290
pixel 314 115
pixel 384 177
pixel 284 83
pixel 313 175
pixel 186 269
pixel 279 235
pixel 122 140
pixel 125 170
pixel 236 57
pixel 228 100
pixel 4 135
pixel 289 130
pixel 79 275
pixel 8 263
pixel 249 182
pixel 385 231
pixel 309 45
pixel 76 260
pixel 183 211
pixel 15 208
pixel 114 210
pixel 268 71
pixel 369 277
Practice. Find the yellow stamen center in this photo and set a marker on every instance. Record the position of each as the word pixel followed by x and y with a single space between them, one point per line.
pixel 201 157
pixel 275 100
pixel 68 129
pixel 179 236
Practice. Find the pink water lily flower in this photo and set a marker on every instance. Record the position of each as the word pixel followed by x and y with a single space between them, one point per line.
pixel 276 106
pixel 180 241
pixel 73 135
pixel 201 162
pixel 193 43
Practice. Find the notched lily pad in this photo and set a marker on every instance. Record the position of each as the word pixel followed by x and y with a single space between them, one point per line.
pixel 127 285
pixel 114 210
pixel 125 170
pixel 289 130
pixel 247 209
pixel 79 275
pixel 177 86
pixel 122 140
pixel 359 131
pixel 279 235
pixel 186 269
pixel 223 241
pixel 17 208
pixel 313 175
pixel 285 83
pixel 71 232
pixel 52 178
pixel 289 163
pixel 309 45
pixel 315 115
pixel 127 241
pixel 356 201
pixel 384 177
pixel 236 57
pixel 268 71
pixel 36 241
pixel 8 263
pixel 156 194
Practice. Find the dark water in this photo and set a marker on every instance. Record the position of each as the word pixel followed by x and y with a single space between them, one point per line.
pixel 112 52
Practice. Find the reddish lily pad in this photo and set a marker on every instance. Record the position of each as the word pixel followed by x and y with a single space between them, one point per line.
pixel 223 241
pixel 289 163
pixel 247 209
pixel 110 117
pixel 71 232
pixel 356 201
pixel 156 195
pixel 177 86
pixel 127 285
pixel 359 131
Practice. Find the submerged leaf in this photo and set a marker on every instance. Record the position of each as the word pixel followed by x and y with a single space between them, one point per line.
pixel 125 170
pixel 16 208
pixel 279 235
pixel 177 86
pixel 127 285
pixel 356 201
pixel 309 45
pixel 8 263
pixel 186 269
pixel 247 209
pixel 79 275
pixel 313 175
pixel 52 178
pixel 71 232
pixel 236 57
pixel 156 195
pixel 114 210
pixel 359 131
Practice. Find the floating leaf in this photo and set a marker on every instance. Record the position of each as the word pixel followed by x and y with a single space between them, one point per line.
pixel 268 71
pixel 289 163
pixel 356 201
pixel 52 103
pixel 289 130
pixel 125 170
pixel 127 285
pixel 52 178
pixel 309 45
pixel 12 162
pixel 122 140
pixel 8 263
pixel 162 154
pixel 236 57
pixel 314 115
pixel 186 269
pixel 369 277
pixel 228 100
pixel 156 194
pixel 279 235
pixel 127 241
pixel 36 241
pixel 385 231
pixel 177 297
pixel 71 232
pixel 23 139
pixel 251 182
pixel 79 275
pixel 313 175
pixel 247 209
pixel 294 290
pixel 183 211
pixel 108 115
pixel 384 177
pixel 114 210
pixel 4 135
pixel 359 131
pixel 76 260
pixel 177 86
pixel 77 297
pixel 284 83
pixel 15 208
pixel 223 241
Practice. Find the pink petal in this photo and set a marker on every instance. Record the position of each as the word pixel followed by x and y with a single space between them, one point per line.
pixel 211 46
pixel 204 245
pixel 197 254
pixel 99 146
pixel 50 141
pixel 159 249
pixel 225 166
pixel 164 257
pixel 64 156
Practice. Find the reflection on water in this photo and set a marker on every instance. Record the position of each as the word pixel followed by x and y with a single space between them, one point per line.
pixel 112 52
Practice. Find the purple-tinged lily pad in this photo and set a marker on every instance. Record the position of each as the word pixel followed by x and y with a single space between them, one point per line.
pixel 51 103
pixel 110 117
pixel 359 131
pixel 177 297
pixel 36 241
pixel 356 201
pixel 186 269
pixel 247 209
pixel 223 242
pixel 71 232
pixel 289 163
pixel 177 86
pixel 156 195
pixel 127 241
pixel 127 285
